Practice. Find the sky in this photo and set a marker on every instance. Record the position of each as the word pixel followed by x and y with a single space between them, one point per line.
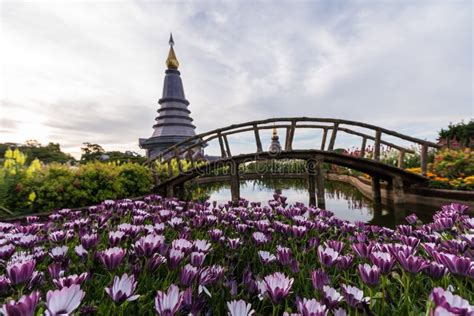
pixel 92 71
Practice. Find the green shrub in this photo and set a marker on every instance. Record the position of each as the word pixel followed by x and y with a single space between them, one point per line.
pixel 453 164
pixel 58 186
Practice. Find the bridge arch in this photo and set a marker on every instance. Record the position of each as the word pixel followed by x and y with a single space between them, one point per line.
pixel 397 176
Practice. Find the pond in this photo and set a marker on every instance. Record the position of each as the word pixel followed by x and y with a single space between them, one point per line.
pixel 344 200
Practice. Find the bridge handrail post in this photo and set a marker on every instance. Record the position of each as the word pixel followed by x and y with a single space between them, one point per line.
pixel 332 141
pixel 178 161
pixel 378 136
pixel 227 147
pixel 323 140
pixel 290 132
pixel 362 147
pixel 257 138
pixel 424 159
pixel 221 144
pixel 401 157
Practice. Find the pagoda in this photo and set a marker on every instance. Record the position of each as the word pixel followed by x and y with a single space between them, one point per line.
pixel 275 146
pixel 173 123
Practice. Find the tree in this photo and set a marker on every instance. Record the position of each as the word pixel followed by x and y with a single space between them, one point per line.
pixel 91 152
pixel 457 135
pixel 34 150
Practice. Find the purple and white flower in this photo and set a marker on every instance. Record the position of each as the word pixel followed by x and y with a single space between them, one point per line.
pixel 168 303
pixel 148 245
pixel 58 253
pixel 64 301
pixel 25 306
pixel 266 257
pixel 20 271
pixel 354 296
pixel 112 257
pixel 453 304
pixel 319 278
pixel 327 256
pixel 331 297
pixel 122 289
pixel 383 260
pixel 240 308
pixel 311 307
pixel 188 274
pixel 370 275
pixel 412 264
pixel 278 286
pixel 70 280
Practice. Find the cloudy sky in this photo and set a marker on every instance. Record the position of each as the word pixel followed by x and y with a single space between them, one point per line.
pixel 92 71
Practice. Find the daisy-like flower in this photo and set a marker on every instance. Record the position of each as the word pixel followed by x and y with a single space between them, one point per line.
pixel 115 237
pixel 455 264
pixel 239 308
pixel 58 253
pixel 311 307
pixel 6 251
pixel 89 241
pixel 4 284
pixel 25 306
pixel 327 256
pixel 188 274
pixel 453 304
pixel 174 258
pixel 57 236
pixel 197 258
pixel 169 303
pixel 331 297
pixel 70 280
pixel 412 264
pixel 122 289
pixel 154 262
pixel 278 286
pixel 383 260
pixel 319 278
pixel 112 257
pixel 411 219
pixel 362 250
pixel 64 301
pixel 148 245
pixel 20 271
pixel 182 244
pixel 260 238
pixel 436 270
pixel 354 296
pixel 284 255
pixel 266 257
pixel 234 243
pixel 215 234
pixel 80 251
pixel 201 245
pixel 369 274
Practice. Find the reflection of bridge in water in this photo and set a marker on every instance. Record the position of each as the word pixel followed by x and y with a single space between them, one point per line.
pixel 397 178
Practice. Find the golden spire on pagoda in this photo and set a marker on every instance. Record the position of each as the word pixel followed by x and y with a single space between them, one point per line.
pixel 172 61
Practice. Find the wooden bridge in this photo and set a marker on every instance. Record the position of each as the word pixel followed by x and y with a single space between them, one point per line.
pixel 323 151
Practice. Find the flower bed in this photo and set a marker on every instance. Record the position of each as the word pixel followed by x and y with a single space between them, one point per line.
pixel 440 182
pixel 161 256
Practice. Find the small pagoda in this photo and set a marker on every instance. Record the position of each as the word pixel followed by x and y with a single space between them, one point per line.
pixel 275 146
pixel 173 123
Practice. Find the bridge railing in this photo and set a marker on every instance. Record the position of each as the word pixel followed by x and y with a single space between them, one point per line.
pixel 331 128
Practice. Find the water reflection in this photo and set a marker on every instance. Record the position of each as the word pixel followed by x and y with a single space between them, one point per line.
pixel 343 199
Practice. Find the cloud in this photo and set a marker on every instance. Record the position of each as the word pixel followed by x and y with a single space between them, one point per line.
pixel 93 71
